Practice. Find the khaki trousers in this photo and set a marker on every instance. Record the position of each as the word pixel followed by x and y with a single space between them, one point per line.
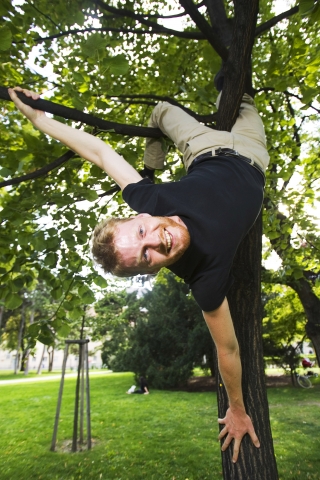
pixel 192 138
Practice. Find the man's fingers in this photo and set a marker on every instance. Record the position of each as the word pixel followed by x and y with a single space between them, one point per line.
pixel 226 443
pixel 255 439
pixel 236 449
pixel 28 93
pixel 222 420
pixel 223 432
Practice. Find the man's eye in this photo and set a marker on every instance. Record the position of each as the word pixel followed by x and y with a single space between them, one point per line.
pixel 140 230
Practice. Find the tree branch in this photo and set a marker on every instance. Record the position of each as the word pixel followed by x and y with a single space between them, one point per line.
pixel 183 14
pixel 273 21
pixel 88 119
pixel 160 31
pixel 209 118
pixel 221 24
pixel 44 15
pixel 205 28
pixel 237 67
pixel 123 12
pixel 41 171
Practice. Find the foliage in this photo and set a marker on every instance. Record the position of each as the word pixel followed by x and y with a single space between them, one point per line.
pixel 115 64
pixel 171 340
pixel 159 334
pixel 115 317
pixel 160 436
pixel 283 326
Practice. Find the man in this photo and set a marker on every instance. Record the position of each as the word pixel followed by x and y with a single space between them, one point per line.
pixel 193 226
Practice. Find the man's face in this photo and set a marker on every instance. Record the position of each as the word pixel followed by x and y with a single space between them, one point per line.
pixel 147 243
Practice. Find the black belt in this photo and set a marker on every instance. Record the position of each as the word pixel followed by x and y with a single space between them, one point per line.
pixel 228 152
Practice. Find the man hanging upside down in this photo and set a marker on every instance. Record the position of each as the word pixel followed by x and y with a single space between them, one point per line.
pixel 193 226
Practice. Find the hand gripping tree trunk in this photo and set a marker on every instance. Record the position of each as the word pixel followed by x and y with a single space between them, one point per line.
pixel 245 305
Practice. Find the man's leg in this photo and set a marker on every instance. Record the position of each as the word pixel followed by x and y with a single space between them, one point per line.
pixel 176 124
pixel 248 132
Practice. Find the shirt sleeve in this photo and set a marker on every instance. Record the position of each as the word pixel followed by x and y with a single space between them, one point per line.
pixel 141 196
pixel 210 291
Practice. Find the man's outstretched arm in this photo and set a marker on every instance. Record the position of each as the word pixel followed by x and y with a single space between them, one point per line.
pixel 87 146
pixel 236 422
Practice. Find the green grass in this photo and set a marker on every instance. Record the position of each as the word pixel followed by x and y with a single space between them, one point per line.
pixel 161 436
pixel 8 375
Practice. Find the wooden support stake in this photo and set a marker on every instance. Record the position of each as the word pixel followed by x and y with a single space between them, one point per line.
pixel 80 394
pixel 55 429
pixel 88 399
pixel 82 347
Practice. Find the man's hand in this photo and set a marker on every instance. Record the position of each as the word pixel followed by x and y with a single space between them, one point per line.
pixel 237 424
pixel 29 112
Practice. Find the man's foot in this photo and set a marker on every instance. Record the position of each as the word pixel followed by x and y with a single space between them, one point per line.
pixel 219 79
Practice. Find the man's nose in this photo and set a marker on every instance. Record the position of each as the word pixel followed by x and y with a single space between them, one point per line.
pixel 153 240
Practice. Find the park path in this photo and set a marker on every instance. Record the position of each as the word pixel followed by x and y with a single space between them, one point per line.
pixel 46 378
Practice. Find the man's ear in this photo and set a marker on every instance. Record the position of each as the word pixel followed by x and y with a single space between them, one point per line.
pixel 143 215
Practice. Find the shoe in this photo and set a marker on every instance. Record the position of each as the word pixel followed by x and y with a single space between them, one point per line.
pixel 218 80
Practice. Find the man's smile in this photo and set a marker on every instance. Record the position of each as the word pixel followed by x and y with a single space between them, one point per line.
pixel 168 240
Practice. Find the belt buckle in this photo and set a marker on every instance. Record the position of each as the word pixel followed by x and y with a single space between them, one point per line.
pixel 227 151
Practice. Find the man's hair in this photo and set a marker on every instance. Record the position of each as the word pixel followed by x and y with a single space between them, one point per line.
pixel 104 250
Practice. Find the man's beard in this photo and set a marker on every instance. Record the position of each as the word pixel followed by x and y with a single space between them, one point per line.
pixel 184 237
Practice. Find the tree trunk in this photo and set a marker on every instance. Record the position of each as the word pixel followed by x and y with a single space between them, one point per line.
pixel 245 305
pixel 39 371
pixel 50 359
pixel 1 315
pixel 17 361
pixel 26 369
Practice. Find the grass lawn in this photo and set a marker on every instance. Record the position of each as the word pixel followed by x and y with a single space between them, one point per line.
pixel 164 435
pixel 8 375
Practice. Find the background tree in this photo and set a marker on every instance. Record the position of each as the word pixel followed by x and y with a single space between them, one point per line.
pixel 115 317
pixel 171 339
pixel 283 327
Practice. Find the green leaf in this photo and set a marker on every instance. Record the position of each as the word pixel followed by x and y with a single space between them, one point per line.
pixel 118 65
pixel 76 313
pixel 12 301
pixel 100 281
pixel 86 295
pixel 94 43
pixel 34 329
pixel 5 38
pixel 56 293
pixel 18 283
pixel 64 330
pixel 90 195
pixel 306 7
pixel 51 259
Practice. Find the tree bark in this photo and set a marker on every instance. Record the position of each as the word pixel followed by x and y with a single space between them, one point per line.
pixel 245 296
pixel 17 361
pixel 26 368
pixel 50 359
pixel 245 306
pixel 1 315
pixel 39 371
pixel 237 67
pixel 221 24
